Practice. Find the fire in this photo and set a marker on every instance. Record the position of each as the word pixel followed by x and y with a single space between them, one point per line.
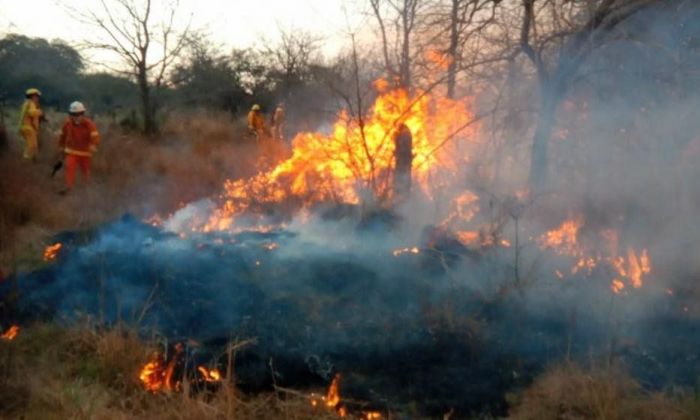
pixel 412 250
pixel 156 375
pixel 210 375
pixel 564 239
pixel 468 237
pixel 333 396
pixel 628 270
pixel 354 159
pixel 51 251
pixel 634 268
pixel 616 286
pixel 11 333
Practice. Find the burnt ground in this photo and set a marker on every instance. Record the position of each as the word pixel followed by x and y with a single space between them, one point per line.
pixel 418 330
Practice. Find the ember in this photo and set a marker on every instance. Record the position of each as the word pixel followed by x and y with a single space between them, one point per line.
pixel 11 333
pixel 51 251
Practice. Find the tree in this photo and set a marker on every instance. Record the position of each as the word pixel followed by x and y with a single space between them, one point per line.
pixel 292 59
pixel 402 15
pixel 208 77
pixel 461 20
pixel 557 39
pixel 53 67
pixel 147 47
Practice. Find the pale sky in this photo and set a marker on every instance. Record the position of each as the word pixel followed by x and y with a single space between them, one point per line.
pixel 234 23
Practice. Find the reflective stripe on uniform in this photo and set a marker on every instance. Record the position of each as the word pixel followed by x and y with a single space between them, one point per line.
pixel 70 151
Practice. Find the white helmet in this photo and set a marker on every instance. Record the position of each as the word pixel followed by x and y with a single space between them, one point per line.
pixel 76 108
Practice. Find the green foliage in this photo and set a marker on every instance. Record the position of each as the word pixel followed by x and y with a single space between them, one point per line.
pixel 105 93
pixel 53 67
pixel 208 79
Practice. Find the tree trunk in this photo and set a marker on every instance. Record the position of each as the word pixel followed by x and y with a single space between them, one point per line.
pixel 551 95
pixel 452 51
pixel 149 126
pixel 403 159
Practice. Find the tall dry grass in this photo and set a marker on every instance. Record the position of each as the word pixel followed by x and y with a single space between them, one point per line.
pixel 51 372
pixel 568 391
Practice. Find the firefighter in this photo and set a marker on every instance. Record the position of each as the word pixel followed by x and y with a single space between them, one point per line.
pixel 78 142
pixel 29 121
pixel 256 122
pixel 277 123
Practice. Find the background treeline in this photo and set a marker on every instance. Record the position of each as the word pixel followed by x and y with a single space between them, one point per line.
pixel 205 78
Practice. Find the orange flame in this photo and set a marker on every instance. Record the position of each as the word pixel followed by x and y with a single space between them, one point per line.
pixel 210 375
pixel 564 239
pixel 356 157
pixel 51 251
pixel 333 395
pixel 157 376
pixel 616 286
pixel 11 333
pixel 629 270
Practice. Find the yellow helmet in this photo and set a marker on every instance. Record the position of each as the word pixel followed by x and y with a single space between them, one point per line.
pixel 256 107
pixel 32 91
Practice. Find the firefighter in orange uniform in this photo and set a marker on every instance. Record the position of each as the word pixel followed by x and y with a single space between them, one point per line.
pixel 256 122
pixel 78 142
pixel 29 120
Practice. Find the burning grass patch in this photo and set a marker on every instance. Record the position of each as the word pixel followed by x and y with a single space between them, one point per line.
pixel 50 371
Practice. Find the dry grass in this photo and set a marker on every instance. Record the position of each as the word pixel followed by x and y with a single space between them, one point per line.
pixel 569 392
pixel 190 160
pixel 53 372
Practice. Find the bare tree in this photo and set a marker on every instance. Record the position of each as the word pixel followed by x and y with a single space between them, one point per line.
pixel 557 38
pixel 402 15
pixel 293 56
pixel 452 27
pixel 146 45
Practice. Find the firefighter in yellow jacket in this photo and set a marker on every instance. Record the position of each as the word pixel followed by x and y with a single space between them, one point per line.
pixel 29 121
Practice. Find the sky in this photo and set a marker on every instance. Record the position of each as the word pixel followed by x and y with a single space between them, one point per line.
pixel 232 23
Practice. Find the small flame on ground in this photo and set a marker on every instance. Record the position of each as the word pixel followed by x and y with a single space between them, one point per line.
pixel 333 395
pixel 616 286
pixel 11 333
pixel 157 376
pixel 51 251
pixel 210 375
pixel 628 271
pixel 564 239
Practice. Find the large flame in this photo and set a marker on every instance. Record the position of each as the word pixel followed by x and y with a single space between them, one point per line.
pixel 357 158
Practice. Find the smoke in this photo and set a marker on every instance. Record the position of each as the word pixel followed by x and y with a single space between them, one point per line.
pixel 403 306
